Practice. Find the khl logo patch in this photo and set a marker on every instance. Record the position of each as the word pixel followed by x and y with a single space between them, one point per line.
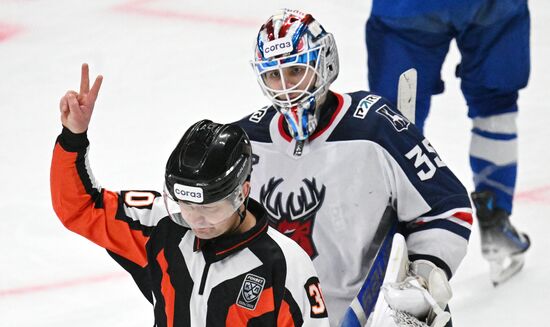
pixel 251 290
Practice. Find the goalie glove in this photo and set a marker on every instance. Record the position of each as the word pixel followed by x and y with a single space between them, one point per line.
pixel 423 294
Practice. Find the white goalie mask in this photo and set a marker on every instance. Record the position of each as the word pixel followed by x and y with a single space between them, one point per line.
pixel 295 61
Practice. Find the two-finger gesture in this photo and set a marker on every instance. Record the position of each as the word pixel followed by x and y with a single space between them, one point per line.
pixel 76 108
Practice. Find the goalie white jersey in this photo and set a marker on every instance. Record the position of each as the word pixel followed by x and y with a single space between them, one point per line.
pixel 329 193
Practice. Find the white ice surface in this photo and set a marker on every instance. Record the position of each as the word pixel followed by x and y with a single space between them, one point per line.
pixel 167 64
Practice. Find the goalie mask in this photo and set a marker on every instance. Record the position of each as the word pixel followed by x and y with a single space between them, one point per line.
pixel 295 61
pixel 205 175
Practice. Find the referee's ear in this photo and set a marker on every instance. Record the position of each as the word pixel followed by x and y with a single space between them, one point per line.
pixel 246 189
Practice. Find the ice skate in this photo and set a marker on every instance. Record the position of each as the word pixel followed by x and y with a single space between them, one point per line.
pixel 501 244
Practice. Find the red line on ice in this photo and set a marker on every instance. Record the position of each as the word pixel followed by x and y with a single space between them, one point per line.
pixel 538 195
pixel 138 7
pixel 7 31
pixel 61 284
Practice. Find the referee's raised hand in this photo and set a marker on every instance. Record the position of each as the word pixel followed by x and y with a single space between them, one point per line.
pixel 76 108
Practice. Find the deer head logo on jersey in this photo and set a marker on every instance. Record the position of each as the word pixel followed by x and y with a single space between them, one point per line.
pixel 294 215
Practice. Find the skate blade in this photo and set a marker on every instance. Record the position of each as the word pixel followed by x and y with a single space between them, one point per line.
pixel 504 269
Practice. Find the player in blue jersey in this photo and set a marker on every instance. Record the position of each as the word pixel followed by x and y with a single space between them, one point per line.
pixel 326 166
pixel 493 39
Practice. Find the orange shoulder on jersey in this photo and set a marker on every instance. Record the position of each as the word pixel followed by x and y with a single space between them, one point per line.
pixel 77 210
